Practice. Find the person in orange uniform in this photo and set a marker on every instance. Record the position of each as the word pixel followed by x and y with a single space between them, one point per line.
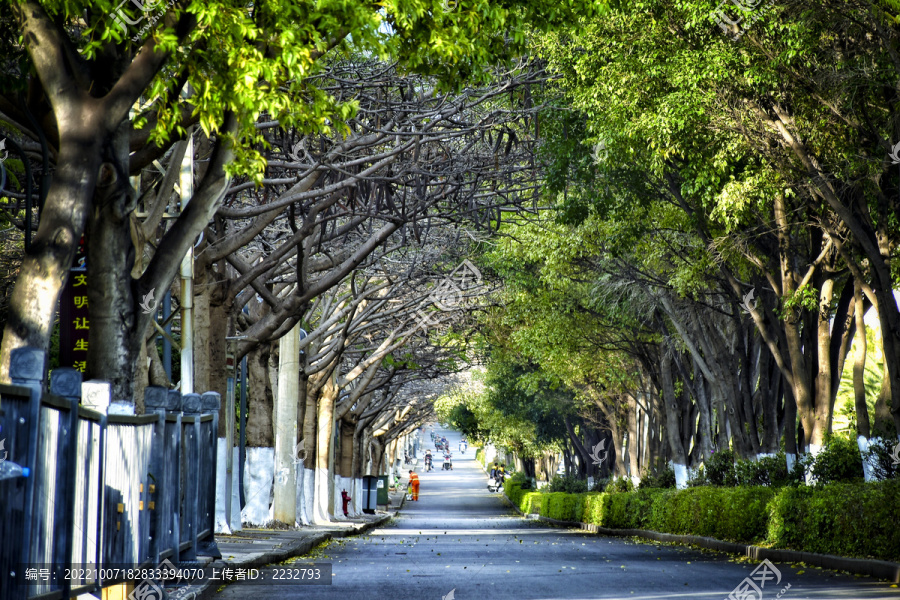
pixel 414 481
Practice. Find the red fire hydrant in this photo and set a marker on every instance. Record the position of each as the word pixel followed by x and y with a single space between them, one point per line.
pixel 345 497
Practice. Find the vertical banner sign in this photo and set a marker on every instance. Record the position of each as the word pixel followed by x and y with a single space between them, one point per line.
pixel 73 315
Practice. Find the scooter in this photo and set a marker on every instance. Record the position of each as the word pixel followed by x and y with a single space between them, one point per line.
pixel 494 485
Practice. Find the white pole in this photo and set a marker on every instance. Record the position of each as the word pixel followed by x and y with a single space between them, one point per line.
pixel 186 185
pixel 285 502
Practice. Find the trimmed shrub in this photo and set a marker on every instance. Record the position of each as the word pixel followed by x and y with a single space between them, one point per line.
pixel 630 510
pixel 734 515
pixel 719 469
pixel 839 460
pixel 770 471
pixel 563 506
pixel 515 491
pixel 663 479
pixel 847 519
pixel 622 484
pixel 570 485
pixel 594 507
pixel 533 502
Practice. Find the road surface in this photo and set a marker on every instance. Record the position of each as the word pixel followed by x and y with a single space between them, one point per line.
pixel 461 542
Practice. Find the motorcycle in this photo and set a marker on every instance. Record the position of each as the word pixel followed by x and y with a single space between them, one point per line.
pixel 494 485
pixel 427 463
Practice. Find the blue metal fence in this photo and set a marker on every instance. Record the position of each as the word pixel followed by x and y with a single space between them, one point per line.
pixel 103 489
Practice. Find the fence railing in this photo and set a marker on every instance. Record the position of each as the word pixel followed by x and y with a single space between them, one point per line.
pixel 104 490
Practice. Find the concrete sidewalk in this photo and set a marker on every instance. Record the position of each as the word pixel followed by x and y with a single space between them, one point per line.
pixel 259 547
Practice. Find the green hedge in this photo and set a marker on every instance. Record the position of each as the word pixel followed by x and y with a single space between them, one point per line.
pixel 844 519
pixel 849 519
pixel 735 515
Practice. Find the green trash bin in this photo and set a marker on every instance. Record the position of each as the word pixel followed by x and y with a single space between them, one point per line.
pixel 383 490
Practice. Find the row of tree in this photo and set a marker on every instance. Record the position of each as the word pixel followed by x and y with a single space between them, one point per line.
pixel 726 215
pixel 310 173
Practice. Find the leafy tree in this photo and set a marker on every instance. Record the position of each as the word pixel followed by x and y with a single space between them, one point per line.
pixel 113 88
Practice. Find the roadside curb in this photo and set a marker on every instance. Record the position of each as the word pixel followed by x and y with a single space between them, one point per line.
pixel 302 546
pixel 881 569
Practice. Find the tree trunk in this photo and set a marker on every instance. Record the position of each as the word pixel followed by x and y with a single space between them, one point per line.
pixel 307 463
pixel 203 333
pixel 344 468
pixel 634 440
pixel 260 421
pixel 889 319
pixel 324 433
pixel 114 344
pixel 823 397
pixel 673 429
pixel 45 268
pixel 706 422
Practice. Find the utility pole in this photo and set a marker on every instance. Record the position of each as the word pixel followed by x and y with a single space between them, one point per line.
pixel 186 189
pixel 231 366
pixel 285 503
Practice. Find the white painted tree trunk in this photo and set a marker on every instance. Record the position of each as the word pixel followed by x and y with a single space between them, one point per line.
pixel 814 450
pixel 225 524
pixel 357 495
pixel 259 477
pixel 323 453
pixel 791 460
pixel 681 475
pixel 309 496
pixel 868 468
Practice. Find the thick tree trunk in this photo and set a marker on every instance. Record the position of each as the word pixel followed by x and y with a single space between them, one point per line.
pixel 324 433
pixel 823 397
pixel 673 429
pixel 705 418
pixel 203 333
pixel 889 319
pixel 883 418
pixel 113 347
pixel 307 465
pixel 768 400
pixel 583 453
pixel 344 465
pixel 220 327
pixel 260 432
pixel 863 431
pixel 45 268
pixel 212 324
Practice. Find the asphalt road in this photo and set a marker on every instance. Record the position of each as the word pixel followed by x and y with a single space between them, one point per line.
pixel 461 542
